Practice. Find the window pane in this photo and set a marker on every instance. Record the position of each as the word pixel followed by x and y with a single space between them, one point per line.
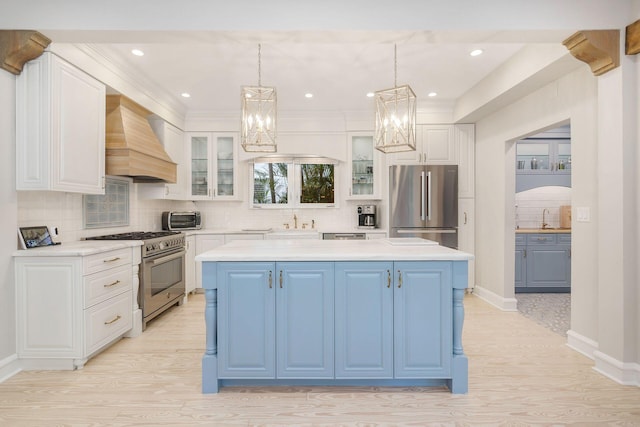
pixel 270 183
pixel 317 183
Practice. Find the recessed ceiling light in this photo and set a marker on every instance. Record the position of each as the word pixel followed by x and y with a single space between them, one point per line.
pixel 137 52
pixel 186 95
pixel 308 95
pixel 370 94
pixel 476 52
pixel 432 94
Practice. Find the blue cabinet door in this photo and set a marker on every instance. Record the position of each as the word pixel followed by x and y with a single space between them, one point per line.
pixel 304 319
pixel 520 279
pixel 423 319
pixel 246 320
pixel 364 320
pixel 548 267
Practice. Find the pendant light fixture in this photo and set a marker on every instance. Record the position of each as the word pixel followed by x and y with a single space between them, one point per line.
pixel 258 132
pixel 395 116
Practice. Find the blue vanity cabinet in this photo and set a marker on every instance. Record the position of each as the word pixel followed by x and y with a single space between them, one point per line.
pixel 246 320
pixel 305 319
pixel 422 312
pixel 364 320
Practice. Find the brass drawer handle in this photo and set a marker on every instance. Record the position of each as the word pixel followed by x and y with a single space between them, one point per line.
pixel 115 319
pixel 112 284
pixel 112 259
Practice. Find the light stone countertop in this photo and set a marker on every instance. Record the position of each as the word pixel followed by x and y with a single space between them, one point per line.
pixel 542 230
pixel 332 250
pixel 78 248
pixel 267 230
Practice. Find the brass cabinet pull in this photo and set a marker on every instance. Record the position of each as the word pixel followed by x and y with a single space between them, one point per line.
pixel 525 253
pixel 270 279
pixel 111 260
pixel 399 279
pixel 112 284
pixel 280 279
pixel 388 279
pixel 115 319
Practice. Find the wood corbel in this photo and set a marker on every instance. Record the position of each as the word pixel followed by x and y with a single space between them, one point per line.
pixel 600 49
pixel 632 40
pixel 19 46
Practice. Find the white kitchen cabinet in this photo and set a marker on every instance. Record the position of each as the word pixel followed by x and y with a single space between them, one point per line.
pixel 364 167
pixel 190 264
pixel 466 233
pixel 71 307
pixel 213 171
pixel 60 128
pixel 464 135
pixel 173 141
pixel 435 145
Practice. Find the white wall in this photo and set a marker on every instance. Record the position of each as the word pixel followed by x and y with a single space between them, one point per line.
pixel 573 98
pixel 9 223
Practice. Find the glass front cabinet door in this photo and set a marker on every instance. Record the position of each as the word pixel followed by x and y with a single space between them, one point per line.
pixel 213 166
pixel 364 163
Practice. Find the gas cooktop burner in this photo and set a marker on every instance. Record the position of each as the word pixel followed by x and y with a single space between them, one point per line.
pixel 135 235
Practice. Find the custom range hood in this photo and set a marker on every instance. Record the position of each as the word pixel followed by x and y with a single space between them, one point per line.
pixel 133 149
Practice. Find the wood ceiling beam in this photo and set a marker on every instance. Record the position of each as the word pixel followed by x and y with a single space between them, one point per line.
pixel 632 43
pixel 19 46
pixel 600 49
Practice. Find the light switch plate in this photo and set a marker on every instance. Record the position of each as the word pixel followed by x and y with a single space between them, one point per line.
pixel 583 214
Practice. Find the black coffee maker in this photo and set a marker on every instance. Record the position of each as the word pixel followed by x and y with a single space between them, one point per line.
pixel 367 216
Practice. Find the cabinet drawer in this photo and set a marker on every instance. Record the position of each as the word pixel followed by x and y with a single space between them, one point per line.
pixel 104 285
pixel 106 260
pixel 541 239
pixel 564 239
pixel 108 320
pixel 521 239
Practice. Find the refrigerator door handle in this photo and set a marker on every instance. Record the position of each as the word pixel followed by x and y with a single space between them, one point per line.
pixel 429 195
pixel 422 213
pixel 428 230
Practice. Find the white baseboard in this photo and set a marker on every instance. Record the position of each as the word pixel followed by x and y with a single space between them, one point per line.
pixel 9 366
pixel 504 304
pixel 620 372
pixel 581 344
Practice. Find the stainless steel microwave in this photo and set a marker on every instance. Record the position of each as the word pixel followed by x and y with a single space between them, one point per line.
pixel 181 220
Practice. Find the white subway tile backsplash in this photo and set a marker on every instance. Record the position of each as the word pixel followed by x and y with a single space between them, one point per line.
pixel 530 205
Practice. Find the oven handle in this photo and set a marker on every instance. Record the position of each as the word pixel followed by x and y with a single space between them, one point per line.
pixel 168 257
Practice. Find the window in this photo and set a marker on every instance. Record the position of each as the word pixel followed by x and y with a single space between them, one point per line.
pixel 299 182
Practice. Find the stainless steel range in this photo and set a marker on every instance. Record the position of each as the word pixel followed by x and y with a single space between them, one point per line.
pixel 162 282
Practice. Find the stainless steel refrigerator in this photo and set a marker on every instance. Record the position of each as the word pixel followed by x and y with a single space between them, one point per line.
pixel 423 202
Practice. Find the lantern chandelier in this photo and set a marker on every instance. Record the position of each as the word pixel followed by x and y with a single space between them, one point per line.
pixel 258 116
pixel 395 116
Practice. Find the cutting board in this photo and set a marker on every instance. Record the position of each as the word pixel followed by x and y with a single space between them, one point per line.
pixel 565 216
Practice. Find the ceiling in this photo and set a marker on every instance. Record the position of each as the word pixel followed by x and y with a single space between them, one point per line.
pixel 339 69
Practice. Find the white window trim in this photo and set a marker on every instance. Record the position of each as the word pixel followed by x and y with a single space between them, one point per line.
pixel 293 188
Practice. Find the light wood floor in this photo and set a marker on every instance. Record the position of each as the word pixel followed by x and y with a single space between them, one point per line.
pixel 519 374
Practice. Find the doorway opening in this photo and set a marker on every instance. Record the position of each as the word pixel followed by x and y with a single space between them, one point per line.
pixel 542 280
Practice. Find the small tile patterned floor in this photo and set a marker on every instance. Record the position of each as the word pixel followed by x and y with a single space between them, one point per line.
pixel 551 310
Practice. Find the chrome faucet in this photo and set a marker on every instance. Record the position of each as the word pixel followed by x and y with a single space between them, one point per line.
pixel 544 223
pixel 295 221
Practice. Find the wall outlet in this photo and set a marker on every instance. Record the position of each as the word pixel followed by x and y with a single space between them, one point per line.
pixel 583 214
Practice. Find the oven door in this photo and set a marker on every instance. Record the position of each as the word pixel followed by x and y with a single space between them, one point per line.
pixel 162 283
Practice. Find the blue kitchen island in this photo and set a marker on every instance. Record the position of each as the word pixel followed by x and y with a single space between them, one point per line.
pixel 385 312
